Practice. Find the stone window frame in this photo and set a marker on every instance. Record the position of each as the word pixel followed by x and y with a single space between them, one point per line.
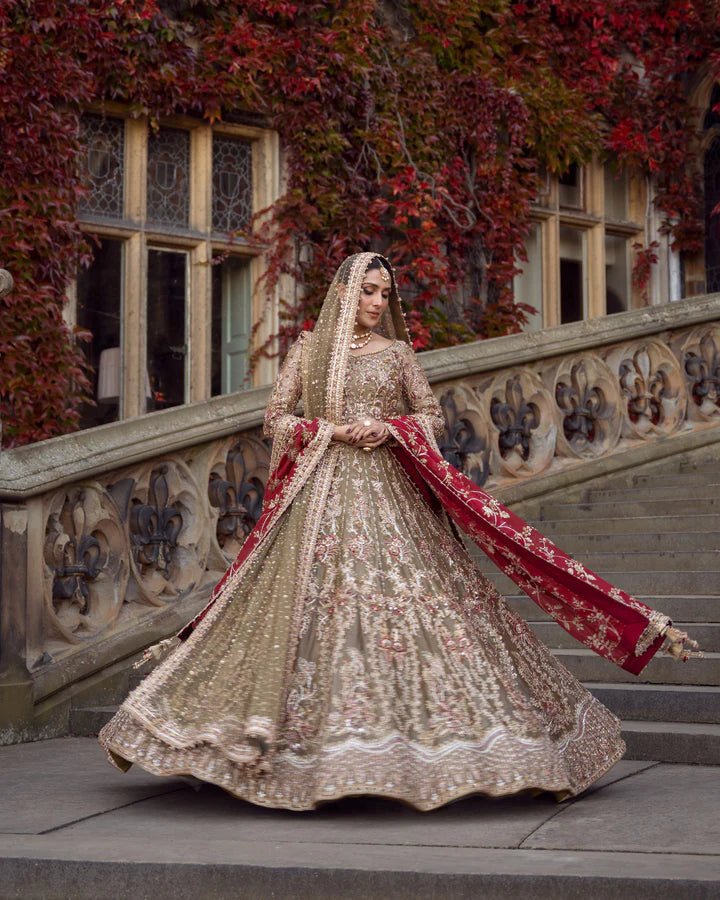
pixel 198 240
pixel 592 220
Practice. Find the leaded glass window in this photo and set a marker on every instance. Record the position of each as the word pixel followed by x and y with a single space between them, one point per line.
pixel 104 141
pixel 168 177
pixel 232 183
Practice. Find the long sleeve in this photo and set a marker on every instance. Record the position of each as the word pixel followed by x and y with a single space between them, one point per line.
pixel 280 418
pixel 422 404
pixel 281 423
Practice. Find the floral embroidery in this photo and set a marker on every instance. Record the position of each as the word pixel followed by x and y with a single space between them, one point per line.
pixel 406 674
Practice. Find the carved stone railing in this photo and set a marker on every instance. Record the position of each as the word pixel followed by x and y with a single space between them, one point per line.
pixel 551 407
pixel 113 537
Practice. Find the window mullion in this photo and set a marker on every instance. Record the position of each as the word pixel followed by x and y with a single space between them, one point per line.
pixel 134 328
pixel 595 272
pixel 551 272
pixel 268 183
pixel 199 311
pixel 134 312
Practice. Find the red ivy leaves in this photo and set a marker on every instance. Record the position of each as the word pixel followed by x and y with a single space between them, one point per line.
pixel 414 128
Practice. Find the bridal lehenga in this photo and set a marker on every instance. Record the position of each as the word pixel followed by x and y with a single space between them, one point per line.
pixel 354 647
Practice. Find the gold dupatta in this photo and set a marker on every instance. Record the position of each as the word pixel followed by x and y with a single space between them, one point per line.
pixel 325 358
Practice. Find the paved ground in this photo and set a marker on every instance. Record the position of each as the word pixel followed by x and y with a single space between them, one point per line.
pixel 73 827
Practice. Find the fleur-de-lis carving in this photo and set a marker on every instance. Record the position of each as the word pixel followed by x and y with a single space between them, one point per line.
pixel 643 388
pixel 704 370
pixel 460 439
pixel 76 559
pixel 239 499
pixel 516 419
pixel 582 406
pixel 155 525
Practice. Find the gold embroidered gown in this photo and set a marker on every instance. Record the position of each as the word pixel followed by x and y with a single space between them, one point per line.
pixel 408 676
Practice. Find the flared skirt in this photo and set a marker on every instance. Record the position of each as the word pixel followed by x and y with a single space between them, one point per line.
pixel 363 652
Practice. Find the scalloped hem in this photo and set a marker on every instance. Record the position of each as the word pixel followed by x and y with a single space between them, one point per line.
pixel 499 765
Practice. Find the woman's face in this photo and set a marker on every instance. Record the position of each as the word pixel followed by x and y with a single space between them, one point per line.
pixel 374 298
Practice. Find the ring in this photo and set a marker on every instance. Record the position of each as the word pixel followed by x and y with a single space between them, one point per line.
pixel 367 423
pixel 367 449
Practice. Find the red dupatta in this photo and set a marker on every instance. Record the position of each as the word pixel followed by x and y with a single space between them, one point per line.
pixel 599 615
pixel 604 618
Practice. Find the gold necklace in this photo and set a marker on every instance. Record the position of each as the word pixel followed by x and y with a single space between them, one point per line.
pixel 360 340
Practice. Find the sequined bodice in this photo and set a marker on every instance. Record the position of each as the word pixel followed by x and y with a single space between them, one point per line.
pixel 381 385
pixel 374 385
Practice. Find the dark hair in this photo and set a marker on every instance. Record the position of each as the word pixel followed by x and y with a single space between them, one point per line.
pixel 377 262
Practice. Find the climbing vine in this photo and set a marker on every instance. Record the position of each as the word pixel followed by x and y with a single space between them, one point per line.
pixel 414 127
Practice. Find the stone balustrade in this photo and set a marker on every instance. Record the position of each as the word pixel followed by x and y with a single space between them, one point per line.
pixel 113 537
pixel 523 421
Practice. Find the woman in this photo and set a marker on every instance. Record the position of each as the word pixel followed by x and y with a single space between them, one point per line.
pixel 353 647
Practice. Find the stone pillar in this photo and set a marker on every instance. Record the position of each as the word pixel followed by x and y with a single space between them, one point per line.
pixel 16 695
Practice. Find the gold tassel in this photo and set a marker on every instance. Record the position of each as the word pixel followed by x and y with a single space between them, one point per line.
pixel 158 652
pixel 677 644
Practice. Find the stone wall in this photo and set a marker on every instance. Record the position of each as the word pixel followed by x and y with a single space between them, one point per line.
pixel 113 537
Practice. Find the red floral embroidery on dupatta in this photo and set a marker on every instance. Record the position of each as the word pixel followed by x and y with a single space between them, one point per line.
pixel 599 615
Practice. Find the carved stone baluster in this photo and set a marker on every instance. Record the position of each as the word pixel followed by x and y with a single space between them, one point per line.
pixel 465 443
pixel 168 528
pixel 588 399
pixel 524 423
pixel 86 564
pixel 237 474
pixel 652 387
pixel 698 352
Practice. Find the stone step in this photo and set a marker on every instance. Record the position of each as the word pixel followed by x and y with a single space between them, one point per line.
pixel 636 582
pixel 631 509
pixel 660 702
pixel 582 544
pixel 707 634
pixel 680 608
pixel 586 665
pixel 614 524
pixel 678 742
pixel 86 721
pixel 704 468
pixel 404 869
pixel 704 561
pixel 653 492
pixel 670 478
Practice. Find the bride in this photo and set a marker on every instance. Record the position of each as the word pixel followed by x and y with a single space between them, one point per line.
pixel 353 647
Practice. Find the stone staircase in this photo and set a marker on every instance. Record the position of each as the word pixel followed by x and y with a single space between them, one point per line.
pixel 657 535
pixel 654 534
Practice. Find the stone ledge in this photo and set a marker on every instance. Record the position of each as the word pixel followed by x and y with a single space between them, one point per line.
pixel 34 469
pixel 68 819
pixel 519 349
pixel 27 471
pixel 688 879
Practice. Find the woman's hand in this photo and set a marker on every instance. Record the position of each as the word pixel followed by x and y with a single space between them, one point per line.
pixel 360 434
pixel 371 433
